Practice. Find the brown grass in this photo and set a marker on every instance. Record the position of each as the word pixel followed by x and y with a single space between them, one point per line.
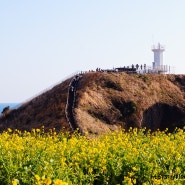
pixel 105 101
pixel 100 90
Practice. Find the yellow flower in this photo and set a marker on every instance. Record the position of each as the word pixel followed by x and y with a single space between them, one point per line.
pixel 90 170
pixel 37 177
pixel 60 182
pixel 178 170
pixel 9 130
pixel 134 169
pixel 157 181
pixel 15 182
pixel 47 181
pixel 128 180
pixel 134 181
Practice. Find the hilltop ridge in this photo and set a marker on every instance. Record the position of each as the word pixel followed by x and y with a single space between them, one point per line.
pixel 105 101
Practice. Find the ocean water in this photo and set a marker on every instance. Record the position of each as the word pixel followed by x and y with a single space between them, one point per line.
pixel 11 105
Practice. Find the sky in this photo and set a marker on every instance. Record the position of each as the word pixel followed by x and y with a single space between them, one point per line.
pixel 43 42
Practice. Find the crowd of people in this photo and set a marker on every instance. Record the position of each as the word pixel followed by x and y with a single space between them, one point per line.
pixel 133 68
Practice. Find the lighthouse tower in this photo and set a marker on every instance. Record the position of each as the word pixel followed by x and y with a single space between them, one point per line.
pixel 158 55
pixel 158 58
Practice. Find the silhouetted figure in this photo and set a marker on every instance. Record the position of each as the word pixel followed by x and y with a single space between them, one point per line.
pixel 137 66
pixel 144 66
pixel 141 67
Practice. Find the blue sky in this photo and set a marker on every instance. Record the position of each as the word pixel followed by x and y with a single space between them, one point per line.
pixel 42 42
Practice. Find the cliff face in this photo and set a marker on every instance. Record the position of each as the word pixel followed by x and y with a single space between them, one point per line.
pixel 106 101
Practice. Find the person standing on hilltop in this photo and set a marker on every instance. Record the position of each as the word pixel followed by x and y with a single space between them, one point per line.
pixel 144 66
pixel 137 66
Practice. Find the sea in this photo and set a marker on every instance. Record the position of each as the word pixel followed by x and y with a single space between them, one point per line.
pixel 11 105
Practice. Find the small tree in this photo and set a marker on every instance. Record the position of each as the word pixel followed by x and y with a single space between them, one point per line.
pixel 6 110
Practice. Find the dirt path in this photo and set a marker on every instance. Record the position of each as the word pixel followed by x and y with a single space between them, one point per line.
pixel 71 100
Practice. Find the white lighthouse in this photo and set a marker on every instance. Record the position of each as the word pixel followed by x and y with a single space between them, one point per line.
pixel 158 59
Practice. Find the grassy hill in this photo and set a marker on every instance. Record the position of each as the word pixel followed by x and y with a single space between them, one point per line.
pixel 106 101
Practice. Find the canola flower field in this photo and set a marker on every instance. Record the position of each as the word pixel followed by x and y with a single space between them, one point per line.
pixel 124 158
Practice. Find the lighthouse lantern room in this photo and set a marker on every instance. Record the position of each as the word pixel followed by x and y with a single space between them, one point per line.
pixel 158 59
